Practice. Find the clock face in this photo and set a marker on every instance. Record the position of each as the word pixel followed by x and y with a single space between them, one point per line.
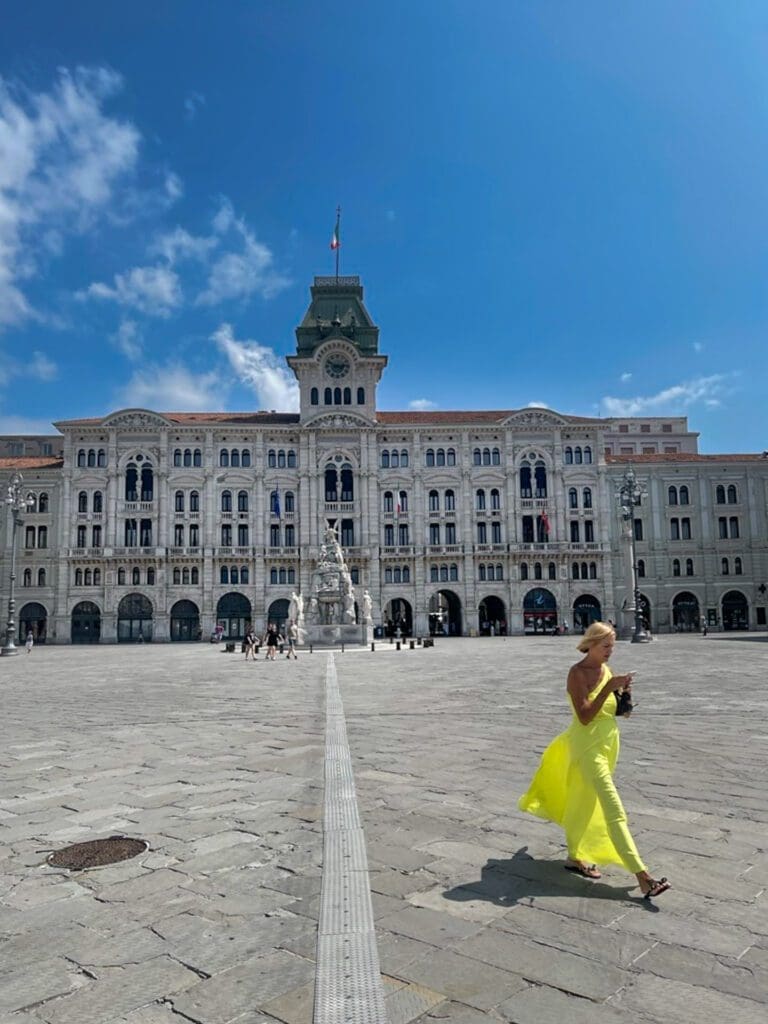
pixel 337 366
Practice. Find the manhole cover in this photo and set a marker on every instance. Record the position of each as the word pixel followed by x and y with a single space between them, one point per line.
pixel 97 852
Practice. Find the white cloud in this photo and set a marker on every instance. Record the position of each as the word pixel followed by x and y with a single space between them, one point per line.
pixel 152 290
pixel 677 397
pixel 41 367
pixel 422 404
pixel 179 244
pixel 697 346
pixel 538 405
pixel 192 103
pixel 127 339
pixel 171 387
pixel 625 377
pixel 61 159
pixel 34 366
pixel 261 368
pixel 23 425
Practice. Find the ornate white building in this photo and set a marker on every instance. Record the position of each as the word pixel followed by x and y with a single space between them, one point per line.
pixel 159 526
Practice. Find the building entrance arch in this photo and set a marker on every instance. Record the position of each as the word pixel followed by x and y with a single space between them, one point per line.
pixel 185 621
pixel 445 614
pixel 539 611
pixel 586 610
pixel 735 610
pixel 491 616
pixel 278 614
pixel 134 619
pixel 34 617
pixel 398 614
pixel 86 623
pixel 233 614
pixel 685 612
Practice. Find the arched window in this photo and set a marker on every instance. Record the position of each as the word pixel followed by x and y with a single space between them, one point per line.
pixel 540 474
pixel 552 571
pixel 443 573
pixel 290 501
pixel 197 457
pixel 394 459
pixel 96 537
pixel 242 501
pixel 177 457
pixel 675 566
pixel 290 535
pixel 314 397
pixel 429 457
pixel 78 577
pixel 243 574
pixel 88 578
pixel 42 536
pixel 450 457
pixel 480 499
pixel 575 570
pixel 224 574
pixel 224 457
pixel 737 566
pixel 406 574
pixel 121 577
pixel 187 457
pixel 178 501
pixel 337 396
pixel 271 459
pixel 347 483
pixel 361 396
pixel 27 577
pixel 234 576
pixel 42 503
pixel 291 459
pixel 41 577
pixel 499 572
pixel 573 498
pixel 403 500
pixel 282 576
pixel 98 502
pixel 385 460
pixel 486 456
pixel 641 567
pixel 434 501
pixel 732 495
pixel 684 500
pixel 226 501
pixel 593 570
pixel 689 567
pixel 82 502
pixel 568 455
pixel 524 571
pixel 91 457
pixel 281 459
pixel 273 576
pixel 526 487
pixel 81 458
pixel 440 457
pixel 495 499
pixel 496 457
pixel 387 575
pixel 347 396
pixel 476 457
pixel 450 501
pixel 97 577
pixel 177 577
pixel 453 573
pixel 136 576
pixel 150 577
pixel 195 576
pixel 482 573
pixel 397 575
pixel 235 458
pixel 577 455
pixel 584 570
pixel 404 459
pixel 588 454
pixel 194 501
pixel 328 396
pixel 245 457
pixel 587 497
pixel 724 567
pixel 354 575
pixel 672 496
pixel 433 577
pixel 720 495
pixel 185 576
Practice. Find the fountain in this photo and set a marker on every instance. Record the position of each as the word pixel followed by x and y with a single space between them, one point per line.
pixel 330 618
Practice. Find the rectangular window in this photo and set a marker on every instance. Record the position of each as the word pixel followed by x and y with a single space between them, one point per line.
pixel 482 534
pixel 402 534
pixel 734 524
pixel 627 449
pixel 589 531
pixel 649 449
pixel 450 533
pixel 17 447
pixel 686 528
pixel 623 428
pixel 645 428
pixel 274 536
pixel 666 428
pixel 434 533
pixel 178 535
pixel 527 530
pixel 722 527
pixel 496 533
pixel 242 535
pixel 574 531
pixel 348 533
pixel 638 529
pixel 674 529
pixel 194 535
pixel 226 536
pixel 130 533
pixel 389 536
pixel 47 448
pixel 670 449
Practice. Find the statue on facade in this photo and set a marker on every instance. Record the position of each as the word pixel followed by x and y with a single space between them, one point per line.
pixel 296 609
pixel 367 606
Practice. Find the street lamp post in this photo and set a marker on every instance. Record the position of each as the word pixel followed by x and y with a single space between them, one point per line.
pixel 16 504
pixel 629 495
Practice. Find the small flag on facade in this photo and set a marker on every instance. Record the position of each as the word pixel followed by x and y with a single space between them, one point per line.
pixel 276 503
pixel 336 237
pixel 545 520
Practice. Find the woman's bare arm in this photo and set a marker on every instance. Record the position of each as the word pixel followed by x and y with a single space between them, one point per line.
pixel 579 687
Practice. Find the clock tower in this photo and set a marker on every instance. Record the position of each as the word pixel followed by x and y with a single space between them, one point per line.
pixel 337 361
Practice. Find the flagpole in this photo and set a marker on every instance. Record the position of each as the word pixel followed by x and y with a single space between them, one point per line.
pixel 338 238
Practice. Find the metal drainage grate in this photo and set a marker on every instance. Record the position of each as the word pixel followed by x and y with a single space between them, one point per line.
pixel 97 852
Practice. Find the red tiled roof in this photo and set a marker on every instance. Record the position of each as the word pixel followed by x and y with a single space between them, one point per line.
pixel 686 457
pixel 31 462
pixel 441 418
pixel 200 417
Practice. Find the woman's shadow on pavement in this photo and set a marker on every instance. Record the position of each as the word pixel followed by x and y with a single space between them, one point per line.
pixel 521 877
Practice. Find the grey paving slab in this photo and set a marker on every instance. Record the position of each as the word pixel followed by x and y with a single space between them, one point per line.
pixel 221 770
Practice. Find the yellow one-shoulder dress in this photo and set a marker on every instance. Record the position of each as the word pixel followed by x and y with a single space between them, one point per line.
pixel 574 788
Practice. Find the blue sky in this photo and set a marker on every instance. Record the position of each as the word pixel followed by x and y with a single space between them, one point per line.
pixel 553 203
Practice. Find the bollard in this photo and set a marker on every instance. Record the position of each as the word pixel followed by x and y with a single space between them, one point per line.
pixel 392 639
pixel 418 641
pixel 411 644
pixel 310 648
pixel 397 646
pixel 373 647
pixel 342 646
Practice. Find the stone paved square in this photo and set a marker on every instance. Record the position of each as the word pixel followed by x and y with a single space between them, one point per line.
pixel 218 763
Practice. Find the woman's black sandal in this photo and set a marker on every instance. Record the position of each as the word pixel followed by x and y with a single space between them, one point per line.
pixel 657 887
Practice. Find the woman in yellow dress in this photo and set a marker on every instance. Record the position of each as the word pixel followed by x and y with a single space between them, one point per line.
pixel 574 786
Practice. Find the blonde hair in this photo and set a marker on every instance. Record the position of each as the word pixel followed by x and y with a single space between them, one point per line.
pixel 596 633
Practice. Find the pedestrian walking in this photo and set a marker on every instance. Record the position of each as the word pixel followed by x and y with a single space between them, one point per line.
pixel 29 643
pixel 574 785
pixel 292 636
pixel 271 642
pixel 249 645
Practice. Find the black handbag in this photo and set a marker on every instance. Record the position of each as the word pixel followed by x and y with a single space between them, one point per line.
pixel 624 705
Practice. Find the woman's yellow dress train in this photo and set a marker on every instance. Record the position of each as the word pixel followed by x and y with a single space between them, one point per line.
pixel 574 788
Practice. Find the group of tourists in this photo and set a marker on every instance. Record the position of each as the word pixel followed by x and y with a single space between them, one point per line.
pixel 273 641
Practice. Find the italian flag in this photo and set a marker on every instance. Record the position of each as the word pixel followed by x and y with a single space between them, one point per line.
pixel 336 237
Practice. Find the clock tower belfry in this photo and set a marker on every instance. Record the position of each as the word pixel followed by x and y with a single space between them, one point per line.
pixel 337 361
